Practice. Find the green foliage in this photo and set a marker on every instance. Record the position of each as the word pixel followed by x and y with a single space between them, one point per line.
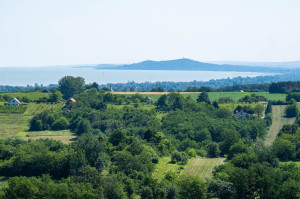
pixel 295 96
pixel 83 126
pixel 60 124
pixel 253 98
pixel 288 129
pixel 225 100
pixel 55 97
pixel 45 121
pixel 237 148
pixel 284 87
pixel 284 149
pixel 213 150
pixel 291 110
pixel 69 86
pixel 45 187
pixel 269 108
pixel 119 147
pixel 191 187
pixel 36 158
pixel 201 89
pixel 203 97
pixel 178 157
pixel 157 89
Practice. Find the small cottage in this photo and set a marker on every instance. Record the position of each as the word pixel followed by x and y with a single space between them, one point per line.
pixel 14 102
pixel 242 114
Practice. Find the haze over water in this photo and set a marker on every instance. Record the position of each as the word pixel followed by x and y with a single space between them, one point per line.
pixel 51 75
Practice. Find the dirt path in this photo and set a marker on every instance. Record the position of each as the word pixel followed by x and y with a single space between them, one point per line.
pixel 278 121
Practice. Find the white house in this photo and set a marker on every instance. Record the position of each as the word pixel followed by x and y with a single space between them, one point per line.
pixel 14 102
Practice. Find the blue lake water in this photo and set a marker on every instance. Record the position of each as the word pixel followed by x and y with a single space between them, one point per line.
pixel 50 75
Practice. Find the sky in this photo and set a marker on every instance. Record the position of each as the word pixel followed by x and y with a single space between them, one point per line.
pixel 73 32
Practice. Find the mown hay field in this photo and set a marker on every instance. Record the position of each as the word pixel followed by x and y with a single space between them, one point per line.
pixel 199 166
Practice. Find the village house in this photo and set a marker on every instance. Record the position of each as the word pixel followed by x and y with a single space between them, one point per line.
pixel 14 102
pixel 242 114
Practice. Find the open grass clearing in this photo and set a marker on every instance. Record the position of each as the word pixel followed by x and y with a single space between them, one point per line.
pixel 199 166
pixel 164 166
pixel 63 138
pixel 11 124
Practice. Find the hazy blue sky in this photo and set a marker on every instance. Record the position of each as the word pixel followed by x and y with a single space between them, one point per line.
pixel 62 32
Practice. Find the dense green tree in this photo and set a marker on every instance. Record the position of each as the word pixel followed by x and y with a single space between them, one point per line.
pixel 237 148
pixel 269 108
pixel 60 124
pixel 69 86
pixel 161 103
pixel 215 104
pixel 191 187
pixel 203 97
pixel 84 126
pixel 284 149
pixel 213 150
pixel 229 137
pixel 258 109
pixel 291 110
pixel 171 192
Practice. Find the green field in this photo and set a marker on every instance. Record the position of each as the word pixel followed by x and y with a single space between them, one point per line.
pixel 202 167
pixel 164 166
pixel 32 96
pixel 214 96
pixel 66 136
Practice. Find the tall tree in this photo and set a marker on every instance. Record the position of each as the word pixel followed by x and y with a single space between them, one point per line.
pixel 69 86
pixel 203 97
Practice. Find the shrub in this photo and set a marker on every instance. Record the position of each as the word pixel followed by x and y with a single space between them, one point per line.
pixel 60 124
pixel 291 110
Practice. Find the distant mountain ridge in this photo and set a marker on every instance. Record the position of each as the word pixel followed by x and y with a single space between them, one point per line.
pixel 187 65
